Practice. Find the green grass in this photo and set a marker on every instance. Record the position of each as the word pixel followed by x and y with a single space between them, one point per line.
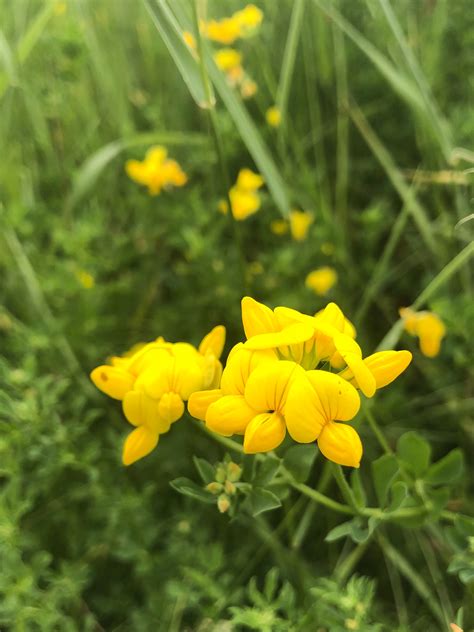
pixel 373 93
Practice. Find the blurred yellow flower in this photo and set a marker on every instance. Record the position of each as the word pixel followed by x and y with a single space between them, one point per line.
pixel 249 19
pixel 154 382
pixel 273 116
pixel 190 40
pixel 223 207
pixel 156 171
pixel 248 88
pixel 228 59
pixel 243 23
pixel 244 203
pixel 321 280
pixel 60 8
pixel 85 279
pixel 300 221
pixel 247 180
pixel 279 226
pixel 429 328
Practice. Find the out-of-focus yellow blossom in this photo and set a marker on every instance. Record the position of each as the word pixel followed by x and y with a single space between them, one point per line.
pixel 321 280
pixel 60 8
pixel 223 207
pixel 156 171
pixel 249 19
pixel 227 59
pixel 279 226
pixel 244 197
pixel 248 88
pixel 300 221
pixel 243 23
pixel 429 328
pixel 85 279
pixel 273 116
pixel 190 40
pixel 154 382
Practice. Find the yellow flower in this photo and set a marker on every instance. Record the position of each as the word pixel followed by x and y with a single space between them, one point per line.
pixel 315 401
pixel 321 280
pixel 429 328
pixel 228 59
pixel 190 40
pixel 249 19
pixel 154 382
pixel 279 226
pixel 224 31
pixel 248 88
pixel 247 180
pixel 85 279
pixel 156 171
pixel 300 221
pixel 273 116
pixel 244 203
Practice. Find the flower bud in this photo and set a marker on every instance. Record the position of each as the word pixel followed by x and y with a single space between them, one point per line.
pixel 223 503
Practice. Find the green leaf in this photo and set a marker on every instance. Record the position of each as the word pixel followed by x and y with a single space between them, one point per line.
pixel 261 500
pixel 205 469
pixel 266 471
pixel 299 459
pixel 384 470
pixel 187 487
pixel 439 499
pixel 415 452
pixel 447 470
pixel 185 60
pixel 341 531
pixel 399 496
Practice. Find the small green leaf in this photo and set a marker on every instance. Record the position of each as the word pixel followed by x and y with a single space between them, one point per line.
pixel 261 500
pixel 439 499
pixel 187 487
pixel 415 452
pixel 205 469
pixel 299 460
pixel 359 532
pixel 384 471
pixel 399 496
pixel 447 470
pixel 341 531
pixel 267 471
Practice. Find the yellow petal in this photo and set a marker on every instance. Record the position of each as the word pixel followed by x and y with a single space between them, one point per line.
pixel 304 413
pixel 200 401
pixel 170 408
pixel 113 381
pixel 386 366
pixel 264 433
pixel 213 342
pixel 431 330
pixel 352 356
pixel 240 364
pixel 341 444
pixel 137 171
pixel 229 415
pixel 142 410
pixel 243 203
pixel 293 334
pixel 138 444
pixel 267 387
pixel 257 318
pixel 332 315
pixel 247 180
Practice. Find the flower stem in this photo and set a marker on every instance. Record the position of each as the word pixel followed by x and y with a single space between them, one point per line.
pixel 345 489
pixel 377 431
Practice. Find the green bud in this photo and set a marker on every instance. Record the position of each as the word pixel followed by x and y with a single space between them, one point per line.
pixel 223 503
pixel 234 472
pixel 214 487
pixel 221 474
pixel 230 488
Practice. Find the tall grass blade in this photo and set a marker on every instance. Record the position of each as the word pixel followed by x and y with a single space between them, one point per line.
pixel 183 57
pixel 289 56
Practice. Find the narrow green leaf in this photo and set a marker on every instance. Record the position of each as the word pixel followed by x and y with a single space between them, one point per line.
pixel 384 470
pixel 415 452
pixel 341 531
pixel 289 56
pixel 187 487
pixel 205 469
pixel 182 55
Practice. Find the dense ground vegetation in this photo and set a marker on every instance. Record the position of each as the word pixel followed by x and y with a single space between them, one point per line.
pixel 377 122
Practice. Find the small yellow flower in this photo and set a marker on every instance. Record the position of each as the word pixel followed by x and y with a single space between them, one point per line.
pixel 85 279
pixel 429 328
pixel 249 19
pixel 156 171
pixel 248 88
pixel 244 203
pixel 190 40
pixel 224 31
pixel 321 280
pixel 300 221
pixel 227 59
pixel 279 226
pixel 247 180
pixel 273 116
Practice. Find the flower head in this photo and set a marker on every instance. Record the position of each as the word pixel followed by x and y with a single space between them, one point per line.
pixel 321 280
pixel 429 328
pixel 273 116
pixel 156 171
pixel 244 197
pixel 300 221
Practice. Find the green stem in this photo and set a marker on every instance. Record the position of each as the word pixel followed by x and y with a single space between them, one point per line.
pixel 319 498
pixel 346 491
pixel 377 431
pixel 345 568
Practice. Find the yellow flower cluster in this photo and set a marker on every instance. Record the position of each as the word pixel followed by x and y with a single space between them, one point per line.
pixel 321 280
pixel 242 24
pixel 274 382
pixel 229 61
pixel 427 326
pixel 298 224
pixel 154 380
pixel 156 171
pixel 244 197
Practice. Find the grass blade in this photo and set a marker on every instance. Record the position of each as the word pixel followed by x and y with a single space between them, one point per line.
pixel 289 56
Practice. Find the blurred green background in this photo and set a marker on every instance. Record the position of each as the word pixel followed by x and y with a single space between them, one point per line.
pixel 376 141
